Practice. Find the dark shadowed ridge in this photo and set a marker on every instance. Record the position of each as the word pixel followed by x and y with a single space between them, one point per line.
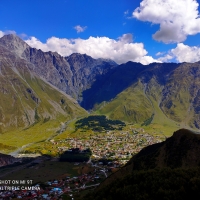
pixel 172 159
pixel 181 150
pixel 108 86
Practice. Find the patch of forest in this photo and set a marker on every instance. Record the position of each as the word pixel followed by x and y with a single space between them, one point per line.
pixel 99 123
pixel 76 156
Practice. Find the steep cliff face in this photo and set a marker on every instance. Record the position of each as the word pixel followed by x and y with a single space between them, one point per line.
pixel 86 71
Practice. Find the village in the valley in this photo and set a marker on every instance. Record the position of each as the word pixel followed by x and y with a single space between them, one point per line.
pixel 117 146
pixel 110 151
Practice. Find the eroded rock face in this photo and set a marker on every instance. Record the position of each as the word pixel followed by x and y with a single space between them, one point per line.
pixel 14 44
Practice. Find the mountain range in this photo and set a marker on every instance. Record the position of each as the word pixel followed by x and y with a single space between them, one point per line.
pixel 159 93
pixel 38 87
pixel 72 74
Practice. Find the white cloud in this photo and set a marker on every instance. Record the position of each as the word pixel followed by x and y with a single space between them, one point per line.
pixel 185 53
pixel 126 12
pixel 182 53
pixel 23 36
pixel 177 19
pixel 126 38
pixel 145 60
pixel 166 58
pixel 10 32
pixel 159 53
pixel 6 32
pixel 121 50
pixel 80 29
pixel 1 34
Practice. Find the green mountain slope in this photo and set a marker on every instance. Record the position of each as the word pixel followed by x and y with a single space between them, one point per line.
pixel 161 96
pixel 28 104
pixel 180 99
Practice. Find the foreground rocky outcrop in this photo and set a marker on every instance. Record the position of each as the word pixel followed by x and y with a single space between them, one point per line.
pixel 6 160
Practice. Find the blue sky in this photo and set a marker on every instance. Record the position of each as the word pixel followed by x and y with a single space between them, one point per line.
pixel 139 30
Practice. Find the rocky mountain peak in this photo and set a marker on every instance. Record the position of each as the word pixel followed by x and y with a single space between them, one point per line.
pixel 14 44
pixel 77 57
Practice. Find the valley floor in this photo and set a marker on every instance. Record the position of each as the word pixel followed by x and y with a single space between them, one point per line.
pixel 110 151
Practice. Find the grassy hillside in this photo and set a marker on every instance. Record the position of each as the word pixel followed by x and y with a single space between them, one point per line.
pixel 181 94
pixel 130 105
pixel 31 110
pixel 140 104
pixel 163 98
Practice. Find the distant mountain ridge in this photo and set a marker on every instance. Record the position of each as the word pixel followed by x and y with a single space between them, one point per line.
pixel 71 74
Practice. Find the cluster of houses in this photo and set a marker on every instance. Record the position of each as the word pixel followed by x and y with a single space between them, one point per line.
pixel 54 189
pixel 111 145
